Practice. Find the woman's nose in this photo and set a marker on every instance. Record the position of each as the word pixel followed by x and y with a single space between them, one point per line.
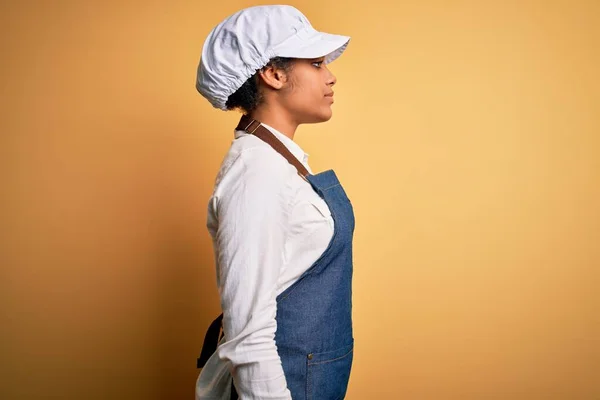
pixel 332 79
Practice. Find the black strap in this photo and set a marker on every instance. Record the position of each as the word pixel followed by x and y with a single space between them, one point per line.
pixel 234 394
pixel 211 341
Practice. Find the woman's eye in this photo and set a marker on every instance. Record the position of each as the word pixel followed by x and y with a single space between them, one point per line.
pixel 317 64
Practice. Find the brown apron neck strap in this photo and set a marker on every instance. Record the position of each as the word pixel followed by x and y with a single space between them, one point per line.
pixel 255 128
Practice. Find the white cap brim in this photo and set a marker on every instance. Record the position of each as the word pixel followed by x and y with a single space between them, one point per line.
pixel 313 44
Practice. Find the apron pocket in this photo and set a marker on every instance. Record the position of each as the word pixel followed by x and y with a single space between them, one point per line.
pixel 328 373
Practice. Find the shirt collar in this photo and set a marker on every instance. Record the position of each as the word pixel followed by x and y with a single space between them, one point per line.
pixel 292 146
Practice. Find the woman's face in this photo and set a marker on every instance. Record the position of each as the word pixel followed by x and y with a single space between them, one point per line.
pixel 307 93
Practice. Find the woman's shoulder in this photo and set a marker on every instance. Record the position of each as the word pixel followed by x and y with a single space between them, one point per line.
pixel 252 145
pixel 251 160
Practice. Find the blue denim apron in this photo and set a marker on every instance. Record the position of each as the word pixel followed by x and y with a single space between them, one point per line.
pixel 314 315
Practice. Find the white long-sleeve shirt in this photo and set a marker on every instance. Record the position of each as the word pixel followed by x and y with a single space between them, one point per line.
pixel 268 226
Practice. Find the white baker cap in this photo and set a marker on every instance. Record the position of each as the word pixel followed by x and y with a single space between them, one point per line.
pixel 245 42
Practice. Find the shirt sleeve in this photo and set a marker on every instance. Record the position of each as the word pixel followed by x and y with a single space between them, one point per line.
pixel 252 225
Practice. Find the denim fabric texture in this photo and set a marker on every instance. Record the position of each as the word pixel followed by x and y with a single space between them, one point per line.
pixel 314 334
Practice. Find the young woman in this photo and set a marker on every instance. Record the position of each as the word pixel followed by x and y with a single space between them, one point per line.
pixel 282 236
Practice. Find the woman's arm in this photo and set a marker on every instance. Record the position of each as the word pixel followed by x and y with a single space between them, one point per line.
pixel 252 206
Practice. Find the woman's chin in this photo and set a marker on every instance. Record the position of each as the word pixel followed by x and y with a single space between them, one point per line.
pixel 323 115
pixel 326 114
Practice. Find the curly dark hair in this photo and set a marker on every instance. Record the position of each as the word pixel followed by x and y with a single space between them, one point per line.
pixel 248 96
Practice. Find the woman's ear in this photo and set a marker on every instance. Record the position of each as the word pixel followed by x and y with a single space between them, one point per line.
pixel 272 77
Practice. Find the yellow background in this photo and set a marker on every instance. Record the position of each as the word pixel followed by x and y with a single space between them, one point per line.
pixel 465 133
